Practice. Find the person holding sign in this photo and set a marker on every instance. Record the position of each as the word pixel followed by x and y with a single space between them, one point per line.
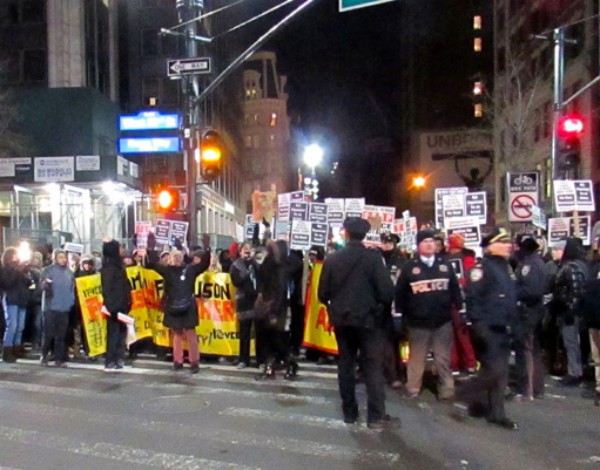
pixel 181 312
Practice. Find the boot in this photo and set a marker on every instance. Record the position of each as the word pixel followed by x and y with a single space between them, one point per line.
pixel 291 370
pixel 19 351
pixel 7 354
pixel 267 373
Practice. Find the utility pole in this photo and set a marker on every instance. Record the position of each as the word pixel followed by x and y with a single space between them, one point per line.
pixel 559 72
pixel 187 11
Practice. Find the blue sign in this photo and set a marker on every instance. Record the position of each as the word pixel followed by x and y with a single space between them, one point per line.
pixel 149 121
pixel 149 145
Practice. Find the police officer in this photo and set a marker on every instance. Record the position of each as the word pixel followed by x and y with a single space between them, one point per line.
pixel 491 298
pixel 354 285
pixel 530 275
pixel 426 291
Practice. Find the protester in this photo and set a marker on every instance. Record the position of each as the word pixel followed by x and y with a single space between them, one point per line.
pixel 244 277
pixel 354 285
pixel 117 299
pixel 180 310
pixel 59 290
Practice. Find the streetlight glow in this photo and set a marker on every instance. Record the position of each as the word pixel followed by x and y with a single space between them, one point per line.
pixel 313 155
pixel 419 181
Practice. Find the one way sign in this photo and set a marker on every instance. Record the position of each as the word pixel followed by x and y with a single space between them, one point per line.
pixel 177 67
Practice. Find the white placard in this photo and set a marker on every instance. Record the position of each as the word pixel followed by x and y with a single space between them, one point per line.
pixel 53 169
pixel 87 162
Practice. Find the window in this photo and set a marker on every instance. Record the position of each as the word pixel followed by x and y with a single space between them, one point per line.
pixel 256 141
pixel 272 143
pixel 34 65
pixel 248 141
pixel 477 44
pixel 273 121
pixel 478 110
pixel 477 22
pixel 477 88
pixel 150 89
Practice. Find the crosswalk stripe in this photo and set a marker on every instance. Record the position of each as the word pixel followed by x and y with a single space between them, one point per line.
pixel 222 436
pixel 113 451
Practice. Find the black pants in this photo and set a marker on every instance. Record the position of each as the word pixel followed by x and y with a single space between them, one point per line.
pixel 493 351
pixel 271 342
pixel 245 338
pixel 369 342
pixel 296 327
pixel 55 331
pixel 115 341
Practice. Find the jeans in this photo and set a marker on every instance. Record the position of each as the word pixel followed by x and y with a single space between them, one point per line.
pixel 15 324
pixel 570 335
pixel 595 344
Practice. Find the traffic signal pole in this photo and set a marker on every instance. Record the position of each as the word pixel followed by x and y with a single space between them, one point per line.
pixel 188 12
pixel 559 72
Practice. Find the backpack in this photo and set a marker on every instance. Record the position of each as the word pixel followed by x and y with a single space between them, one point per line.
pixel 572 281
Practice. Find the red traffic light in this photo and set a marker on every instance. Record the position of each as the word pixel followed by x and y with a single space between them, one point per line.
pixel 570 126
pixel 166 200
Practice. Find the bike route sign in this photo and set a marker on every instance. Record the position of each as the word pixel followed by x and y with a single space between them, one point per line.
pixel 523 193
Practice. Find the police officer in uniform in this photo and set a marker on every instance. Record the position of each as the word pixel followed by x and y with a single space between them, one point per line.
pixel 530 292
pixel 355 286
pixel 491 298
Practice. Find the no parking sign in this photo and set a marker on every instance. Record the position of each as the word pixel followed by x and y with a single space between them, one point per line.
pixel 523 195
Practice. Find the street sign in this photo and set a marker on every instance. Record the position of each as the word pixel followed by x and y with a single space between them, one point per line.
pixel 523 194
pixel 149 145
pixel 178 67
pixel 347 5
pixel 149 121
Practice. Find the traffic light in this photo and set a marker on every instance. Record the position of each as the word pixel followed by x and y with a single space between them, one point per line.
pixel 211 155
pixel 167 200
pixel 569 130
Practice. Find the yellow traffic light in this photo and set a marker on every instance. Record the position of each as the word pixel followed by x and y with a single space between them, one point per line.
pixel 166 200
pixel 211 155
pixel 419 182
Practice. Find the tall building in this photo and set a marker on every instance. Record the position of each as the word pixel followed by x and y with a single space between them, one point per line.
pixel 266 128
pixel 523 97
pixel 59 84
pixel 446 72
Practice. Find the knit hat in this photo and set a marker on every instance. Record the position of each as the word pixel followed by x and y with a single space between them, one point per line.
pixel 456 241
pixel 57 252
pixel 424 234
pixel 357 226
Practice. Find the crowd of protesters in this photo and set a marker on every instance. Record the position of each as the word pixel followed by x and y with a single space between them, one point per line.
pixel 466 310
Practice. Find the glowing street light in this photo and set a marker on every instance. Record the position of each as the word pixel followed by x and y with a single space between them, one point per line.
pixel 313 156
pixel 419 182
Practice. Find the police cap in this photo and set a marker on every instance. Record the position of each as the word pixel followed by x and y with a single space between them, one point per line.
pixel 498 234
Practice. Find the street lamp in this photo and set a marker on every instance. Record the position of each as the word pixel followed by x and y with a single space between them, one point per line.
pixel 419 182
pixel 313 155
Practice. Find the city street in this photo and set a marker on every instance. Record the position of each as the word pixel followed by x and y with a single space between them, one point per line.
pixel 150 416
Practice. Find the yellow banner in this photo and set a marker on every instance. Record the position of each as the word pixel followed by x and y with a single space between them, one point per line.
pixel 318 332
pixel 153 291
pixel 89 293
pixel 218 328
pixel 139 306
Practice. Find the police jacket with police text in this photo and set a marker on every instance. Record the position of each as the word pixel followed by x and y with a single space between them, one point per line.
pixel 491 292
pixel 424 295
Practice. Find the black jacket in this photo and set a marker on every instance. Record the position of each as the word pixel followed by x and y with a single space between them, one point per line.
pixel 531 285
pixel 591 299
pixel 116 289
pixel 491 293
pixel 17 282
pixel 354 283
pixel 425 295
pixel 244 277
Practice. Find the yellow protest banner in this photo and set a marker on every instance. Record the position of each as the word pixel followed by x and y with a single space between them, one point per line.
pixel 153 291
pixel 218 329
pixel 139 306
pixel 318 332
pixel 89 293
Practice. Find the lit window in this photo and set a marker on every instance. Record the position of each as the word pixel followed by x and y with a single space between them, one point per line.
pixel 273 121
pixel 477 88
pixel 477 22
pixel 477 44
pixel 478 110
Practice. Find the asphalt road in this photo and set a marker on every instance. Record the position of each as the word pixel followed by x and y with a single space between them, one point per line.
pixel 149 416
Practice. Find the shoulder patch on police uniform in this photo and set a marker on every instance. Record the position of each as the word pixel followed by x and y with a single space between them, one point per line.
pixel 525 270
pixel 476 274
pixel 443 268
pixel 416 270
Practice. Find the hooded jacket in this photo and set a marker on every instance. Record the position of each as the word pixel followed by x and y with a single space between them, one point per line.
pixel 571 280
pixel 116 288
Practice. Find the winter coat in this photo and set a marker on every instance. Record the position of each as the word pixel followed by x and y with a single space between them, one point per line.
pixel 244 277
pixel 273 281
pixel 531 283
pixel 17 283
pixel 591 299
pixel 60 293
pixel 354 284
pixel 179 283
pixel 116 288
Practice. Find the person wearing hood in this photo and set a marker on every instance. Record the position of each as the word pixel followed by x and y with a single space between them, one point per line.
pixel 530 275
pixel 58 284
pixel 116 290
pixel 16 283
pixel 568 292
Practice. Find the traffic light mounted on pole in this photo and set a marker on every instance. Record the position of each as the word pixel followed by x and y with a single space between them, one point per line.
pixel 167 200
pixel 569 130
pixel 211 155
